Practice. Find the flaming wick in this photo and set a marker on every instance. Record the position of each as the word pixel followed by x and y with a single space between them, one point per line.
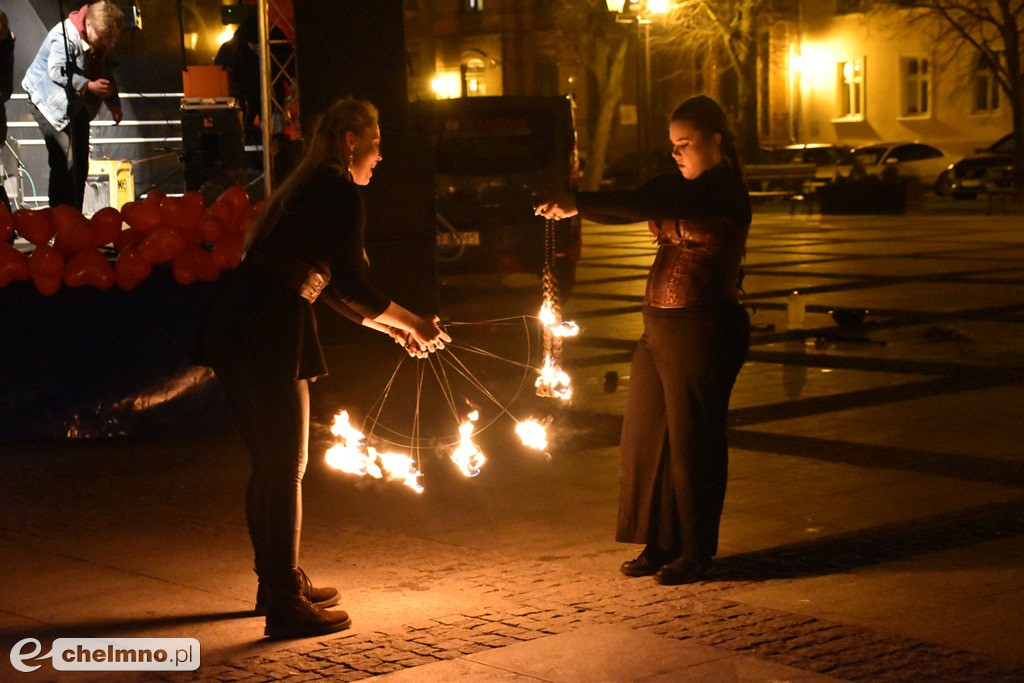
pixel 553 381
pixel 351 455
pixel 551 321
pixel 466 456
pixel 533 434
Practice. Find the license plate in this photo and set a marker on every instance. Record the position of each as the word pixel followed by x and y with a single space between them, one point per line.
pixel 970 183
pixel 447 239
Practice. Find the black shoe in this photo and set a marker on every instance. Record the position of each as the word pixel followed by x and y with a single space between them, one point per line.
pixel 321 597
pixel 297 617
pixel 646 563
pixel 682 571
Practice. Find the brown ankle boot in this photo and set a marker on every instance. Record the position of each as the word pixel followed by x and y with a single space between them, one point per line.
pixel 290 614
pixel 297 617
pixel 322 597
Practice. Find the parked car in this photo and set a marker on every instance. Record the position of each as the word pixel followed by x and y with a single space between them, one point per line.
pixel 905 159
pixel 967 177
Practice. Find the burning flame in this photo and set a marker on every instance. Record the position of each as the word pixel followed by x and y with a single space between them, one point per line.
pixel 553 381
pixel 351 454
pixel 533 434
pixel 559 328
pixel 467 456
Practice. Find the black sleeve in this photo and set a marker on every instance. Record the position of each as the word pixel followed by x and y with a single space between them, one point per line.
pixel 718 193
pixel 347 260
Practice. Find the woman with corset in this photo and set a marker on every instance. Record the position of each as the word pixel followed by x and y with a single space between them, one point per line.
pixel 695 340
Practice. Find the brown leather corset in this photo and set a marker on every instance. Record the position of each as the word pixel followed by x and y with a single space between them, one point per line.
pixel 697 264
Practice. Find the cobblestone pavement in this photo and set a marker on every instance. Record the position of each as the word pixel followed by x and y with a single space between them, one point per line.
pixel 551 598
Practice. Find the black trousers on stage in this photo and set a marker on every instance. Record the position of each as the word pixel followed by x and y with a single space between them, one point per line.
pixel 674 453
pixel 69 168
pixel 273 416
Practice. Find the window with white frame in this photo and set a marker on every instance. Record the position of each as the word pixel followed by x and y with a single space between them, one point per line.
pixel 916 82
pixel 850 83
pixel 986 90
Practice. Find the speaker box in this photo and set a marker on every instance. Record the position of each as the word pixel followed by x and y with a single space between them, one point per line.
pixel 213 146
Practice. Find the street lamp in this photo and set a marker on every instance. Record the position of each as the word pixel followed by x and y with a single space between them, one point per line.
pixel 640 14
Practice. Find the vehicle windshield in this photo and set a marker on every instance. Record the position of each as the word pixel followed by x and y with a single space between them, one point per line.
pixel 866 156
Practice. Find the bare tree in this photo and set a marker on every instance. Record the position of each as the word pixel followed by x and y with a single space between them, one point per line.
pixel 589 29
pixel 993 30
pixel 729 30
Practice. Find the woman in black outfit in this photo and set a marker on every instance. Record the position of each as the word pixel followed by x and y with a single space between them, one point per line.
pixel 260 337
pixel 695 340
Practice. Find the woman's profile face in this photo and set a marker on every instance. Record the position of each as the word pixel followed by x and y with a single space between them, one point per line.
pixel 365 155
pixel 693 152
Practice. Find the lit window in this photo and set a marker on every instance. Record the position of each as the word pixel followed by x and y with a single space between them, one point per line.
pixel 850 81
pixel 986 90
pixel 472 5
pixel 915 72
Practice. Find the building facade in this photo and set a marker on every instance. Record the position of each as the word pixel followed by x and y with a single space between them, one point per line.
pixel 828 71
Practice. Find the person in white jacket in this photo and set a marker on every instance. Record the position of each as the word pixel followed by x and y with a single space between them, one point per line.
pixel 67 82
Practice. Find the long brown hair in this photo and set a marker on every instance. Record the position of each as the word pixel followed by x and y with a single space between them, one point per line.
pixel 326 148
pixel 709 118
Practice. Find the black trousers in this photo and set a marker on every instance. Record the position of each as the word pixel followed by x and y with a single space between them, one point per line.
pixel 273 417
pixel 69 167
pixel 674 453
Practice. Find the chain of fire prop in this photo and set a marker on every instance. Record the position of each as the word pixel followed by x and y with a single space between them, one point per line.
pixel 353 453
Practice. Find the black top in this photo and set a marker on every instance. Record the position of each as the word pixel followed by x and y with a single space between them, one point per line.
pixel 257 320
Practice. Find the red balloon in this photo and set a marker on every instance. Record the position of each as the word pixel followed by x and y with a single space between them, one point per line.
pixel 126 238
pixel 89 267
pixel 155 196
pixel 227 253
pixel 143 216
pixel 162 245
pixel 46 266
pixel 35 225
pixel 74 233
pixel 237 198
pixel 194 263
pixel 106 226
pixel 181 213
pixel 225 213
pixel 210 229
pixel 130 268
pixel 13 265
pixel 6 223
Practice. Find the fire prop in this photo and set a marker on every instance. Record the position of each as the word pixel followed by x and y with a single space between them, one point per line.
pixel 553 381
pixel 533 434
pixel 467 456
pixel 352 455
